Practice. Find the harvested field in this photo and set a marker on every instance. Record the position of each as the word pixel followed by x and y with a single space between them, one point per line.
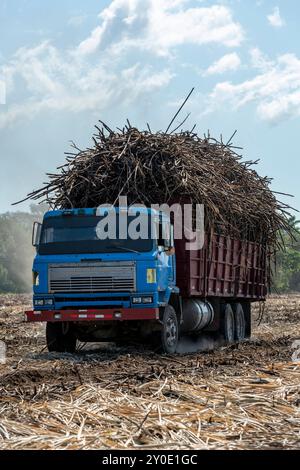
pixel 238 397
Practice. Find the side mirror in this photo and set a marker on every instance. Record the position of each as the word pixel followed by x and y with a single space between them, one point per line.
pixel 167 243
pixel 36 233
pixel 161 242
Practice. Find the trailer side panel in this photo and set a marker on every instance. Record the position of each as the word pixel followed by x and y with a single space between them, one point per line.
pixel 224 267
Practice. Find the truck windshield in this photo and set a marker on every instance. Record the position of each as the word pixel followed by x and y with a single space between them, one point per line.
pixel 78 234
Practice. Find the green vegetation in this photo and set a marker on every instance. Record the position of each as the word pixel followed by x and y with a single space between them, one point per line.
pixel 16 254
pixel 287 269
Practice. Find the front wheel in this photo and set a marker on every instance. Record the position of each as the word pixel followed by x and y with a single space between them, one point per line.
pixel 60 337
pixel 169 333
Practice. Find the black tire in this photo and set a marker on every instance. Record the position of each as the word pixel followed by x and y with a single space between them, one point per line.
pixel 228 324
pixel 60 338
pixel 169 332
pixel 239 322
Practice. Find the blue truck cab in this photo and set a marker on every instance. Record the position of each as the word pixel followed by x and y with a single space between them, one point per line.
pixel 94 289
pixel 109 274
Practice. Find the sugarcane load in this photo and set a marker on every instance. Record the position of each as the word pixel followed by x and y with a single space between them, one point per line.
pixel 158 284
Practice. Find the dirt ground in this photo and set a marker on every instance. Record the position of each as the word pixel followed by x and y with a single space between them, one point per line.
pixel 238 397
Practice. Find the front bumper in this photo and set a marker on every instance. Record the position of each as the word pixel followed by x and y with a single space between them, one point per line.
pixel 115 314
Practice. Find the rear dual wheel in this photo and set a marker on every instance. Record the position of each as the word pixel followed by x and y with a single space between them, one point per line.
pixel 227 324
pixel 239 322
pixel 233 323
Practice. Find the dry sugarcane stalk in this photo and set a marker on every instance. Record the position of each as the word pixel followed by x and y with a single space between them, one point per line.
pixel 160 168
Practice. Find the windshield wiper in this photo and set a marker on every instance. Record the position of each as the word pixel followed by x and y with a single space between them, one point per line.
pixel 124 248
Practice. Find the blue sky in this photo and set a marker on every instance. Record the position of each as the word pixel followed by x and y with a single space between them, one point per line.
pixel 65 64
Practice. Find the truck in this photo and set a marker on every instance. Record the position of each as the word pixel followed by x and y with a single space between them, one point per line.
pixel 89 289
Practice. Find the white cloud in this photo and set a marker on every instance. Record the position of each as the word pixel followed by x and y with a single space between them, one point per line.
pixel 275 90
pixel 275 18
pixel 92 75
pixel 92 42
pixel 259 60
pixel 162 25
pixel 77 20
pixel 53 80
pixel 281 108
pixel 2 92
pixel 228 62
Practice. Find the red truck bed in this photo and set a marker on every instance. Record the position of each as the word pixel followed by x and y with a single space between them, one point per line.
pixel 224 267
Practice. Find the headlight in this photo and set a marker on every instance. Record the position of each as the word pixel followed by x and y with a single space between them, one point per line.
pixel 142 300
pixel 147 300
pixel 151 276
pixel 39 302
pixel 35 278
pixel 48 301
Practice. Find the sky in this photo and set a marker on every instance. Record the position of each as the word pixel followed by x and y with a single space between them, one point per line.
pixel 65 64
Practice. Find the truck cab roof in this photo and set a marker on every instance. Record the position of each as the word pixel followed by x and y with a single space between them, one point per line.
pixel 101 211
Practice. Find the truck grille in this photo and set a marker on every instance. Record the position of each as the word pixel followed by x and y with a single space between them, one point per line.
pixel 92 277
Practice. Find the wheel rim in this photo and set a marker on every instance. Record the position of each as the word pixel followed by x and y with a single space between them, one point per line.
pixel 171 331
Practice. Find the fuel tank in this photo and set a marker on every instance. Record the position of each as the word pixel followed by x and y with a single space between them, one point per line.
pixel 197 315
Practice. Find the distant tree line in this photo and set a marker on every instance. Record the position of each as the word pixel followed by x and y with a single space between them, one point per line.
pixel 16 251
pixel 16 254
pixel 287 266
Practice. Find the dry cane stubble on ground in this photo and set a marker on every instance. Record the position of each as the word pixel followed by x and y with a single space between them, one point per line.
pixel 245 397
